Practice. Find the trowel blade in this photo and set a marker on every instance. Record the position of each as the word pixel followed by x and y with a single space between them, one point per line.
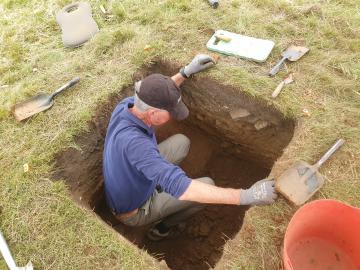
pixel 294 53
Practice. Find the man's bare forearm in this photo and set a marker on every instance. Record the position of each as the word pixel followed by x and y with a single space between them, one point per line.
pixel 178 79
pixel 205 193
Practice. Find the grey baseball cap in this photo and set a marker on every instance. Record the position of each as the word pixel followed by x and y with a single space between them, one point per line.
pixel 161 92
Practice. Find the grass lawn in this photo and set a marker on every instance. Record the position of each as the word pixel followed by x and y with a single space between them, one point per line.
pixel 38 217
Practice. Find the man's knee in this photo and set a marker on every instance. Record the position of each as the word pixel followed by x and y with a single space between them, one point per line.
pixel 182 139
pixel 206 180
pixel 184 142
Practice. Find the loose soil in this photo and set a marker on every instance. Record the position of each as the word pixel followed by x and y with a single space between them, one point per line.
pixel 233 153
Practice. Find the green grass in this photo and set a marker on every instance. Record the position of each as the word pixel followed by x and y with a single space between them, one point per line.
pixel 39 219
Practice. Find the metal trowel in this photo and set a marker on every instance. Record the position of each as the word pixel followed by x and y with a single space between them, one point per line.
pixel 293 53
pixel 302 180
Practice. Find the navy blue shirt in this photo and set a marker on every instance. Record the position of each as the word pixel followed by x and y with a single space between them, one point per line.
pixel 132 164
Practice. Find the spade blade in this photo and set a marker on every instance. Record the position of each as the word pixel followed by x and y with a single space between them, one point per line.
pixel 32 106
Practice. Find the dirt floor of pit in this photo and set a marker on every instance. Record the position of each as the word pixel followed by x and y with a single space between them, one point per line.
pixel 233 153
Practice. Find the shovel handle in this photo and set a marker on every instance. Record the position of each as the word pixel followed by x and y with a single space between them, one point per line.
pixel 331 151
pixel 276 69
pixel 65 86
pixel 5 251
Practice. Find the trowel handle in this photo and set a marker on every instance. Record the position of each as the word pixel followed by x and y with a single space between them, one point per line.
pixel 5 251
pixel 331 151
pixel 65 86
pixel 278 89
pixel 277 67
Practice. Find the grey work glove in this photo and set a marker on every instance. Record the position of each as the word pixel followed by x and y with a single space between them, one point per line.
pixel 199 63
pixel 261 193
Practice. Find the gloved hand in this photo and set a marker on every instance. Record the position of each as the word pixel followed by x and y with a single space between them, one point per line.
pixel 199 63
pixel 261 193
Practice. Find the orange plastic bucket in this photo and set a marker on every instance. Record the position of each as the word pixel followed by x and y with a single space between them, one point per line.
pixel 323 234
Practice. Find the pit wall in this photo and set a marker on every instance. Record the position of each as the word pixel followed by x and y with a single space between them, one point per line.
pixel 245 125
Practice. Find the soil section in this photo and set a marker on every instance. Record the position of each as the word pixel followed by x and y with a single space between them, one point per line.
pixel 233 153
pixel 261 134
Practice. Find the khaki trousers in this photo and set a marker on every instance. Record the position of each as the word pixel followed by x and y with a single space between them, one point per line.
pixel 161 206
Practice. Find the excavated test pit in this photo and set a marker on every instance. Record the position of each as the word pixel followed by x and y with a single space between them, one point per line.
pixel 235 153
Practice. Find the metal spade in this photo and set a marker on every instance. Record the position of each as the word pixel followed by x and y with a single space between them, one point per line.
pixel 39 103
pixel 302 180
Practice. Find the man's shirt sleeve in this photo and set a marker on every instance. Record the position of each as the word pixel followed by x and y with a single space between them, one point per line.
pixel 145 157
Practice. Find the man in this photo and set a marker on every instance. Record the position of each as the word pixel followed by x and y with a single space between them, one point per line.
pixel 143 183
